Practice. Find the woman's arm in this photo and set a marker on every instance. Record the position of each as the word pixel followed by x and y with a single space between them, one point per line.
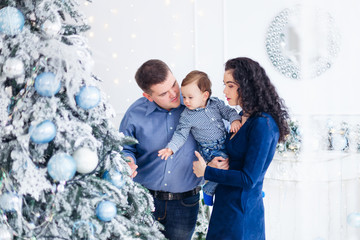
pixel 262 140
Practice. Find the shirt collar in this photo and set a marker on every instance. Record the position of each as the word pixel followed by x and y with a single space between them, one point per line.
pixel 152 106
pixel 207 105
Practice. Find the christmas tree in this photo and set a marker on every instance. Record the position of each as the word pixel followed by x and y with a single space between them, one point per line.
pixel 63 175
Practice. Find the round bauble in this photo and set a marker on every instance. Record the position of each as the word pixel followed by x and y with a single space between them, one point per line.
pixel 353 219
pixel 13 67
pixel 115 177
pixel 47 85
pixel 88 97
pixel 339 142
pixel 10 202
pixel 86 160
pixel 11 21
pixel 61 167
pixel 106 211
pixel 51 28
pixel 5 233
pixel 44 132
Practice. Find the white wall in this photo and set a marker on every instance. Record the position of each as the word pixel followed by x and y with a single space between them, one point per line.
pixel 203 34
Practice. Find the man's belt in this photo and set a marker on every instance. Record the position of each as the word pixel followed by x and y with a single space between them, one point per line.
pixel 174 196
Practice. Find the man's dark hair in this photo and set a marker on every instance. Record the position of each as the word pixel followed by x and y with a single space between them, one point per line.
pixel 152 72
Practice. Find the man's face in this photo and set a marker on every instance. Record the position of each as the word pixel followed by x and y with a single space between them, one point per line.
pixel 165 94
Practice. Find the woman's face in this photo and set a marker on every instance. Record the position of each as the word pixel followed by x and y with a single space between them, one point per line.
pixel 231 89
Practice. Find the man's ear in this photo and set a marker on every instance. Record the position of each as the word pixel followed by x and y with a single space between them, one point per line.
pixel 148 97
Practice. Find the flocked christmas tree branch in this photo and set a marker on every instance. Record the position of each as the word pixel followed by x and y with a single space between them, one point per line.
pixel 63 175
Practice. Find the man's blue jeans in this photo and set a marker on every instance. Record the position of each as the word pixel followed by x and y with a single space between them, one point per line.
pixel 178 216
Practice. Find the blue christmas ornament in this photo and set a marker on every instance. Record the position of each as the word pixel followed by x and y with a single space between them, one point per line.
pixel 88 97
pixel 47 85
pixel 106 211
pixel 11 21
pixel 116 178
pixel 353 219
pixel 61 167
pixel 44 132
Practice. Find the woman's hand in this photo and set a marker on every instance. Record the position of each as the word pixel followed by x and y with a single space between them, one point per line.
pixel 220 163
pixel 199 166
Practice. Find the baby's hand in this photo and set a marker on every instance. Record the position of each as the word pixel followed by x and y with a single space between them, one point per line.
pixel 165 153
pixel 235 126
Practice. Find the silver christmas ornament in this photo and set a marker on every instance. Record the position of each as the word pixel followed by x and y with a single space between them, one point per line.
pixel 86 160
pixel 13 67
pixel 51 28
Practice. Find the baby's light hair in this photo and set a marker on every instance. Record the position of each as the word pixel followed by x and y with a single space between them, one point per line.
pixel 201 78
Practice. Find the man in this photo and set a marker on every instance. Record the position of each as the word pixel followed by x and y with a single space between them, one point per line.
pixel 152 120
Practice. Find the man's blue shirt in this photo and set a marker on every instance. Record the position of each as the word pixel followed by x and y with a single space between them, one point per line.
pixel 153 127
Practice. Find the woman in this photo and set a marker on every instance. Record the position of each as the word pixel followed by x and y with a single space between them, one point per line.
pixel 238 211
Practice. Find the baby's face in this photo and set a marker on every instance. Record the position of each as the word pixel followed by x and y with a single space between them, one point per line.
pixel 193 97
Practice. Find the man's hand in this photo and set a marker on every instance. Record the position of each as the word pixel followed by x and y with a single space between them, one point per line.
pixel 165 153
pixel 220 163
pixel 235 126
pixel 132 166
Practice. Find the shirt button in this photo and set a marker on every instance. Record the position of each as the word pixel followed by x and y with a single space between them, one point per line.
pixel 169 172
pixel 169 113
pixel 165 184
pixel 171 157
pixel 213 119
pixel 171 128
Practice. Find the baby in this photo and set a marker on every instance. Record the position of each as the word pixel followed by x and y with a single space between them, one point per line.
pixel 203 117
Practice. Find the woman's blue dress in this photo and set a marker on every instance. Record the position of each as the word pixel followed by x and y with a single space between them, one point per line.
pixel 238 211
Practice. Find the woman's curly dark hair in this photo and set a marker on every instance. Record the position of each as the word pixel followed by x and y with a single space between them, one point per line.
pixel 257 94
